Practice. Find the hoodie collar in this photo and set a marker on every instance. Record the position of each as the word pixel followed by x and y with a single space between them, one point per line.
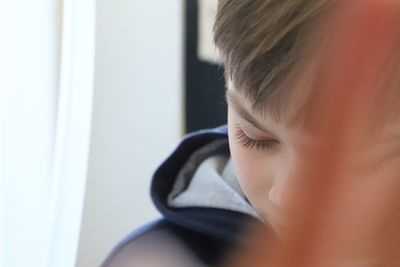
pixel 218 222
pixel 208 180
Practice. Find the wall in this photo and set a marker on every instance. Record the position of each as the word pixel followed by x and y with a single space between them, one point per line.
pixel 137 116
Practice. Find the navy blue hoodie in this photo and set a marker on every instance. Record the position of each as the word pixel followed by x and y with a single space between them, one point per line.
pixel 207 234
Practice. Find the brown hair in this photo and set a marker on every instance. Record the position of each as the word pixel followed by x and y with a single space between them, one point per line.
pixel 261 42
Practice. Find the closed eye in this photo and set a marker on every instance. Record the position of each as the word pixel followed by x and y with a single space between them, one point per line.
pixel 249 143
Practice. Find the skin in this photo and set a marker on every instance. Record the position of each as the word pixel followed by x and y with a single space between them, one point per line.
pixel 330 187
pixel 269 176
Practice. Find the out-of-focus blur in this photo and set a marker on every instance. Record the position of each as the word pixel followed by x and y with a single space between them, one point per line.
pixel 155 80
pixel 94 96
pixel 353 214
pixel 137 117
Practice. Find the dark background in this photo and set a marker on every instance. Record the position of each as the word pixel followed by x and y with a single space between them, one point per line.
pixel 204 82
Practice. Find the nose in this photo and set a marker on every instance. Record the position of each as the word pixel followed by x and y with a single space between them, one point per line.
pixel 275 194
pixel 292 188
pixel 284 194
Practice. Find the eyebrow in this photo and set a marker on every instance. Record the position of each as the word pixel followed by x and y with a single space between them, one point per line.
pixel 237 105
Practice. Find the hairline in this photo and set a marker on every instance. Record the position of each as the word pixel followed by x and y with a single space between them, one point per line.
pixel 233 101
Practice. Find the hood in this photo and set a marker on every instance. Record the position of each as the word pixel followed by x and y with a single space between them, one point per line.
pixel 208 180
pixel 195 187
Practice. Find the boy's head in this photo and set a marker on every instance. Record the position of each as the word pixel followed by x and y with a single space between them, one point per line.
pixel 261 43
pixel 266 45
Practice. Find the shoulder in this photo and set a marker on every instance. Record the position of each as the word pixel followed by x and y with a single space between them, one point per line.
pixel 159 243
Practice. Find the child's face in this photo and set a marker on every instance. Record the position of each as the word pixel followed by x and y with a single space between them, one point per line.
pixel 268 155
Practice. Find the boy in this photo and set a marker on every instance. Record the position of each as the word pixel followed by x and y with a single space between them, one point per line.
pixel 260 169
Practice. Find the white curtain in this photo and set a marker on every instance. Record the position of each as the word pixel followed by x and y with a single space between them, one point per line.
pixel 46 82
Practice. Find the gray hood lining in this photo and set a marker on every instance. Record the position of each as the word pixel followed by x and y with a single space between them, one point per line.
pixel 208 180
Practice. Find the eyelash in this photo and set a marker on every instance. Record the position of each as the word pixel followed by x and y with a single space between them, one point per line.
pixel 250 143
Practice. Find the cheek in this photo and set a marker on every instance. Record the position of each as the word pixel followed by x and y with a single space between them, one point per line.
pixel 369 196
pixel 254 171
pixel 253 174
